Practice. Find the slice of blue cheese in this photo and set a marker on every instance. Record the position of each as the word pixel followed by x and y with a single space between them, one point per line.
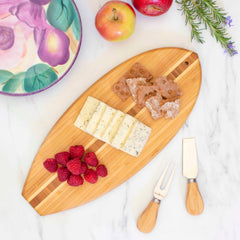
pixel 137 139
pixel 123 131
pixel 105 122
pixel 95 118
pixel 86 113
pixel 112 129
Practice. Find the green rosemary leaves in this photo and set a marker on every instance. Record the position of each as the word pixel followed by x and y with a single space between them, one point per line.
pixel 205 14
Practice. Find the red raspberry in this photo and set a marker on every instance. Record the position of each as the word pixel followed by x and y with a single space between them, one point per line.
pixel 75 180
pixel 76 151
pixel 50 164
pixel 63 174
pixel 91 176
pixel 62 158
pixel 102 171
pixel 74 166
pixel 91 159
pixel 83 167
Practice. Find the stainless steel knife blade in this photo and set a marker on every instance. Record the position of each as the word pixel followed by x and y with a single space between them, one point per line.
pixel 190 164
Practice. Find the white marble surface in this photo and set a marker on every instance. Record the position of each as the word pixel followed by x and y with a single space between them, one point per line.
pixel 25 121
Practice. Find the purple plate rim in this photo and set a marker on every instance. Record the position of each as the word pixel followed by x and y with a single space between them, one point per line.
pixel 59 79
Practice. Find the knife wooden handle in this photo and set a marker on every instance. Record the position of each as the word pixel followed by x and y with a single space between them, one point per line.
pixel 148 218
pixel 194 201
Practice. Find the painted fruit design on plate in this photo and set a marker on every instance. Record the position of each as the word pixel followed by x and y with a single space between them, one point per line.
pixel 39 40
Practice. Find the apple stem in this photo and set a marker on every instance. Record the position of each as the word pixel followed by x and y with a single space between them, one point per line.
pixel 157 8
pixel 115 16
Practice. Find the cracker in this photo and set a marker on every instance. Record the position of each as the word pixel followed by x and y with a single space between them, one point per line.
pixel 136 71
pixel 162 108
pixel 154 106
pixel 168 88
pixel 121 89
pixel 171 109
pixel 133 84
pixel 145 92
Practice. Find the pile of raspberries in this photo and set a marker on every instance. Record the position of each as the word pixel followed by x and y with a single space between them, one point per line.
pixel 74 166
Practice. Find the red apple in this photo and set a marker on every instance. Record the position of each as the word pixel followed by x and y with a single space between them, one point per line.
pixel 115 21
pixel 152 7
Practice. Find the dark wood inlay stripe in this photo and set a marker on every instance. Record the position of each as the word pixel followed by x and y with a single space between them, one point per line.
pixel 96 145
pixel 134 110
pixel 186 63
pixel 45 192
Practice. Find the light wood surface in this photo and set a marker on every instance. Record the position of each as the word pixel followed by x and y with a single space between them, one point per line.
pixel 194 201
pixel 148 218
pixel 43 190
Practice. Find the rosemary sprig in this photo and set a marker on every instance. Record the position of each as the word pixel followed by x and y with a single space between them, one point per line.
pixel 196 32
pixel 206 13
pixel 218 13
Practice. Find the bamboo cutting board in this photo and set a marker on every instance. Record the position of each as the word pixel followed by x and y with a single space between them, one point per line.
pixel 44 191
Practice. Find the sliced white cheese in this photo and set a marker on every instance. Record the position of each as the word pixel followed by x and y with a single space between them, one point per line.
pixel 95 118
pixel 104 122
pixel 112 129
pixel 86 112
pixel 137 139
pixel 123 131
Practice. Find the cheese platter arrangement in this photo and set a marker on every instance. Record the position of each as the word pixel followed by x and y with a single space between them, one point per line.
pixel 122 122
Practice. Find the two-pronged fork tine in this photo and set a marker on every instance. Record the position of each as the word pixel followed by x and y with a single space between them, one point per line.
pixel 147 219
pixel 160 193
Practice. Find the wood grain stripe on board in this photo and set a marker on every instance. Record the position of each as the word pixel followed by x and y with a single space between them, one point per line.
pixel 95 144
pixel 182 66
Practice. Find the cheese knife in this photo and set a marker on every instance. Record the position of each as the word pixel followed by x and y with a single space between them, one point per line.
pixel 194 201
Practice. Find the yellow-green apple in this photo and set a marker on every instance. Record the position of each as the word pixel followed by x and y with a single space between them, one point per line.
pixel 115 21
pixel 152 7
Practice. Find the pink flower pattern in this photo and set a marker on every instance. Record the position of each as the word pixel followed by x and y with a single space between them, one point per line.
pixel 21 19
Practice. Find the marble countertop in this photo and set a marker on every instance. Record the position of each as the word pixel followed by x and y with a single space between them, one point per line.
pixel 214 121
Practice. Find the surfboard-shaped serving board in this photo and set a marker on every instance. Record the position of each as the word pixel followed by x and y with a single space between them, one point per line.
pixel 48 195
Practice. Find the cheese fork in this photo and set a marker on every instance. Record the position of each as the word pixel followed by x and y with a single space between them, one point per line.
pixel 148 218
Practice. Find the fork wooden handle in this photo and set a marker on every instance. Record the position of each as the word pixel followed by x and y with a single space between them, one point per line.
pixel 194 201
pixel 148 218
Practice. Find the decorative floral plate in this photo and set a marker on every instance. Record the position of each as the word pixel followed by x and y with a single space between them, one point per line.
pixel 39 42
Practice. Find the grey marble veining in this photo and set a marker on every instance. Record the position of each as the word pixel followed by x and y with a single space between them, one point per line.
pixel 214 121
